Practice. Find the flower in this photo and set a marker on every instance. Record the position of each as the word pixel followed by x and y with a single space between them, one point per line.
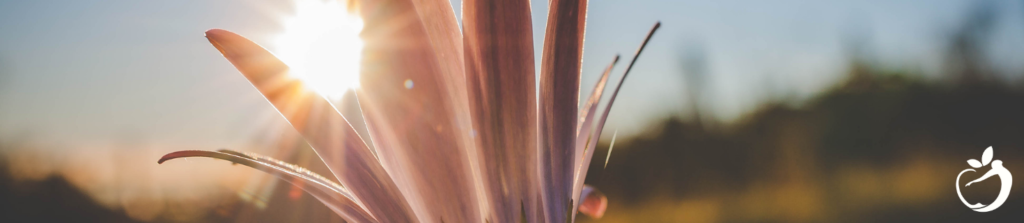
pixel 459 133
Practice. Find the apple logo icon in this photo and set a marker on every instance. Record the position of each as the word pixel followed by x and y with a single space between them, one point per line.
pixel 997 170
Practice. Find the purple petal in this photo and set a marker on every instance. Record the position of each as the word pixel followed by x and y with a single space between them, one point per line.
pixel 586 123
pixel 593 203
pixel 589 151
pixel 498 42
pixel 413 98
pixel 323 127
pixel 559 94
pixel 331 194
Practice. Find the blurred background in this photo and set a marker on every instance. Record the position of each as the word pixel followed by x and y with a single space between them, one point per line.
pixel 738 111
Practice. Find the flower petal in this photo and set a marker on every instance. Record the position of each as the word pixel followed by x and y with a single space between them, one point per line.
pixel 559 96
pixel 589 151
pixel 323 127
pixel 500 73
pixel 331 194
pixel 593 203
pixel 586 122
pixel 585 128
pixel 413 97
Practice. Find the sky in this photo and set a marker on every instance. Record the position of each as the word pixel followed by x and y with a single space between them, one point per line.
pixel 111 70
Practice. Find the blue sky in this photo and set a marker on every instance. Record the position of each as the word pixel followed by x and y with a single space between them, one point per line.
pixel 73 71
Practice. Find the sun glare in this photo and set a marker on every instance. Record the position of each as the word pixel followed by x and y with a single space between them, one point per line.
pixel 321 44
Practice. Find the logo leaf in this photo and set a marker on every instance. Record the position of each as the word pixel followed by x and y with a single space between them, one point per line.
pixel 974 163
pixel 986 157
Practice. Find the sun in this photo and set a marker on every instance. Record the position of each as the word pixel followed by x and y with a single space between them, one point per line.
pixel 321 44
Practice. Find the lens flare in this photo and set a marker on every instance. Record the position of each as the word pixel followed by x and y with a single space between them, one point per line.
pixel 321 44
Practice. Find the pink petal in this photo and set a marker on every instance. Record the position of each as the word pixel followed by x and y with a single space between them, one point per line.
pixel 330 135
pixel 592 143
pixel 586 122
pixel 585 128
pixel 413 97
pixel 331 194
pixel 593 203
pixel 559 94
pixel 500 76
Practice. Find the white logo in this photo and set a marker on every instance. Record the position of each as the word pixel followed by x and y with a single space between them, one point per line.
pixel 997 170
